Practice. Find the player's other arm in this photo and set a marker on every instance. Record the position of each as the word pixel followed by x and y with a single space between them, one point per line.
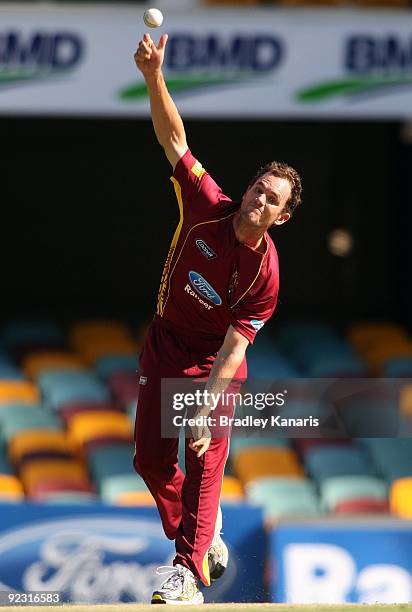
pixel 167 123
pixel 225 366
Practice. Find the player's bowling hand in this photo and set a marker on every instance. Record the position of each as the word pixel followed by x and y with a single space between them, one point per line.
pixel 148 57
pixel 201 439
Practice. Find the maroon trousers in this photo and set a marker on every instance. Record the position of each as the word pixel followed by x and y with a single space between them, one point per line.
pixel 187 504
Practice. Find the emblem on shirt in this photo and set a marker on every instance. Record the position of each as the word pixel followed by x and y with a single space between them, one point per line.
pixel 257 324
pixel 205 250
pixel 204 288
pixel 198 169
pixel 233 283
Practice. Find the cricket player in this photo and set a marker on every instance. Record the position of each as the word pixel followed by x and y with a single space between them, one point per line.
pixel 219 286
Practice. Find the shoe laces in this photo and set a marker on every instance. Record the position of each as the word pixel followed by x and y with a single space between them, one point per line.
pixel 177 578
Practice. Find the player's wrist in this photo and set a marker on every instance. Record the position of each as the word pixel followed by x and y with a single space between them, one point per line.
pixel 154 75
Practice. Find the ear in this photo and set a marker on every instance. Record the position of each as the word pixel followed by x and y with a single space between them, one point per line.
pixel 282 218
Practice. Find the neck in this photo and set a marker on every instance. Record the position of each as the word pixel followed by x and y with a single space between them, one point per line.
pixel 251 237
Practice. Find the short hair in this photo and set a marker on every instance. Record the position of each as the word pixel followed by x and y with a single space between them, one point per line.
pixel 285 171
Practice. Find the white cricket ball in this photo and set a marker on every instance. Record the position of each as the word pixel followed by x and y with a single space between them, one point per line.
pixel 153 18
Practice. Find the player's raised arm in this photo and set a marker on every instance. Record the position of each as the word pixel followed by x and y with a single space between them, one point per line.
pixel 168 124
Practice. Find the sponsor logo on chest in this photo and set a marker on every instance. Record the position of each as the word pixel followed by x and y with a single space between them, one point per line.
pixel 205 250
pixel 201 286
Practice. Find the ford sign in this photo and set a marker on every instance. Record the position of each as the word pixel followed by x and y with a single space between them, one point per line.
pixel 202 286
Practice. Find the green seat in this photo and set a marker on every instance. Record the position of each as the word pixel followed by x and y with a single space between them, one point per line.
pixel 238 443
pixel 112 486
pixel 111 460
pixel 348 488
pixel 18 418
pixel 70 498
pixel 282 497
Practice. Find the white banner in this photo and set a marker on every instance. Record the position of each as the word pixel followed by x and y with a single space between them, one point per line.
pixel 74 60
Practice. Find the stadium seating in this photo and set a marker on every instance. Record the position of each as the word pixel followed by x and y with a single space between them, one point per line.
pixel 68 403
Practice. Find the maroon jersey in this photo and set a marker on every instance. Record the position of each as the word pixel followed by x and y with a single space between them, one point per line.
pixel 210 280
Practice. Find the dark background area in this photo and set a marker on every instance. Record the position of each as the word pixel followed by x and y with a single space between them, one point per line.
pixel 88 213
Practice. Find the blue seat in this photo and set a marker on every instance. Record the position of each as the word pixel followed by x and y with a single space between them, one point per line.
pixel 111 460
pixel 112 364
pixel 323 462
pixel 27 332
pixel 10 372
pixel 397 367
pixel 283 497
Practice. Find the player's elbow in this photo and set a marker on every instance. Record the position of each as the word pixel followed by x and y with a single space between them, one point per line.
pixel 175 149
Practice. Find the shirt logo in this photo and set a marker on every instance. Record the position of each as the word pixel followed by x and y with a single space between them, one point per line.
pixel 202 286
pixel 205 250
pixel 257 324
pixel 142 380
pixel 198 169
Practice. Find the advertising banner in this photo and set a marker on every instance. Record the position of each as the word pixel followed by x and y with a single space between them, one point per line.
pixel 74 60
pixel 96 553
pixel 366 561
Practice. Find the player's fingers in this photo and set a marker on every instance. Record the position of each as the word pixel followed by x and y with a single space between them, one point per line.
pixel 147 39
pixel 145 46
pixel 204 448
pixel 162 42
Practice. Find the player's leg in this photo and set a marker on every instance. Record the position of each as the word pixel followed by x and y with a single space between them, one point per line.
pixel 200 496
pixel 156 458
pixel 200 527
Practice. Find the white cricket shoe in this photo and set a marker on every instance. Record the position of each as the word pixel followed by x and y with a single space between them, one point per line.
pixel 218 554
pixel 180 589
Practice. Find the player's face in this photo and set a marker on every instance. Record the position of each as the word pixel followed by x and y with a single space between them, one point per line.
pixel 264 202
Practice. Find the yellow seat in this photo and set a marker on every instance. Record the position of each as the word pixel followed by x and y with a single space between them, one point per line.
pixel 18 391
pixel 31 441
pixel 364 336
pixel 379 354
pixel 41 470
pixel 104 346
pixel 11 488
pixel 259 462
pixel 400 497
pixel 86 426
pixel 232 489
pixel 134 498
pixel 35 363
pixel 85 332
pixel 405 401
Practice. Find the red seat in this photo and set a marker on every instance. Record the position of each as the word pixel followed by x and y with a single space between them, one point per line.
pixel 362 506
pixel 41 490
pixel 67 411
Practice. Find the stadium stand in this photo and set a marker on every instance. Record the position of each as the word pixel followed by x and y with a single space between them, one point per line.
pixel 68 401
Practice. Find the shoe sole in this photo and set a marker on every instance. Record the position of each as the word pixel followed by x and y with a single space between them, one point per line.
pixel 157 599
pixel 220 568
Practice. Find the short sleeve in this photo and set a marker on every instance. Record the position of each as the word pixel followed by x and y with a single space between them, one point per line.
pixel 199 192
pixel 250 315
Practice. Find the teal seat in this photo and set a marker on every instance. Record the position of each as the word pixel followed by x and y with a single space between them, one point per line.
pixel 49 379
pixel 90 391
pixel 131 410
pixel 283 497
pixel 238 443
pixel 28 332
pixel 392 456
pixel 111 460
pixel 112 364
pixel 19 418
pixel 112 486
pixel 9 371
pixel 323 462
pixel 64 497
pixel 347 488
